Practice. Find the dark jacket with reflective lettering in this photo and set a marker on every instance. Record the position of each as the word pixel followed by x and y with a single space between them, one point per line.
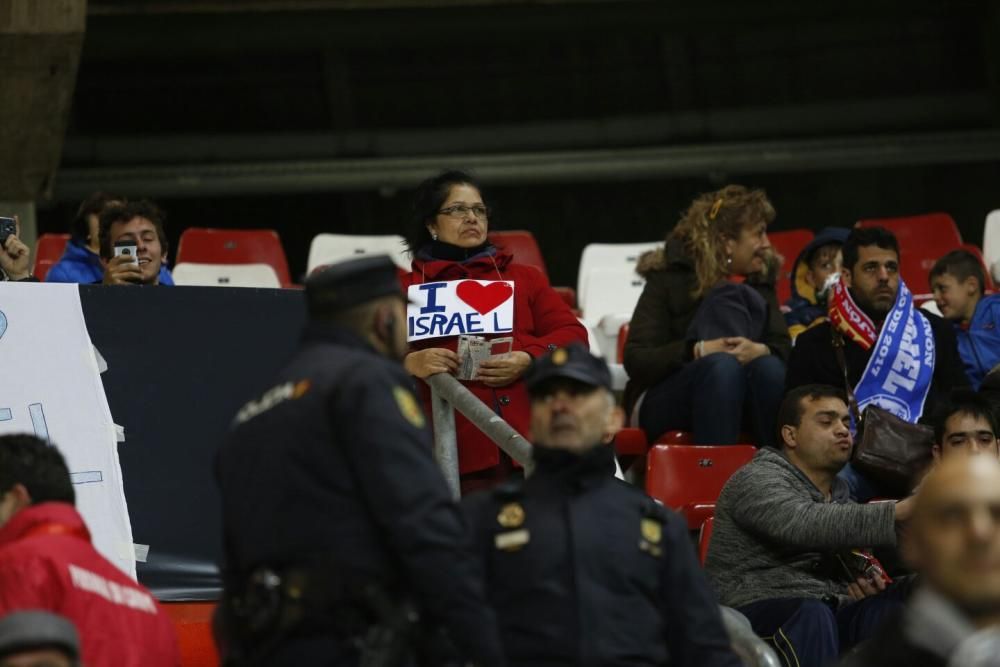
pixel 584 569
pixel 333 466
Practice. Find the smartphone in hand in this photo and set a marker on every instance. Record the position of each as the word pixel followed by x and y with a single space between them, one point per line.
pixel 127 248
pixel 8 227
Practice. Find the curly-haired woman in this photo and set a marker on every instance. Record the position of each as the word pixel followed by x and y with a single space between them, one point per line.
pixel 707 343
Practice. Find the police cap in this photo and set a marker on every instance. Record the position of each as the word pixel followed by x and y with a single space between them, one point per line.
pixel 28 630
pixel 574 362
pixel 336 287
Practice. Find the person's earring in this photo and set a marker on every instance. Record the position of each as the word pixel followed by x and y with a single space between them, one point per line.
pixel 434 236
pixel 729 261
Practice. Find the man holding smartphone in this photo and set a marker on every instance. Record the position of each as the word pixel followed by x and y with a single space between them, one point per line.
pixel 15 257
pixel 134 245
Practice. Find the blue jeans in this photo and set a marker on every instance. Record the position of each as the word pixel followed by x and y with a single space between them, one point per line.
pixel 715 397
pixel 808 632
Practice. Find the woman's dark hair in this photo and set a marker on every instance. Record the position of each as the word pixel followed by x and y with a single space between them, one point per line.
pixel 428 199
pixel 92 205
pixel 40 467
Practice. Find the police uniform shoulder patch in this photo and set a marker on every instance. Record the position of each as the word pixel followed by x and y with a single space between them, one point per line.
pixel 408 406
pixel 652 530
pixel 511 515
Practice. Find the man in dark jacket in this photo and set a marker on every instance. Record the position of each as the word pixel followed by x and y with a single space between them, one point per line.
pixel 584 569
pixel 339 527
pixel 872 309
pixel 785 531
pixel 953 540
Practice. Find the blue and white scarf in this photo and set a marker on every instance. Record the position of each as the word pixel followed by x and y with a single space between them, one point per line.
pixel 899 372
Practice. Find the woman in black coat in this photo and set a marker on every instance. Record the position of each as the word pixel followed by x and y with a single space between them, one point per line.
pixel 707 343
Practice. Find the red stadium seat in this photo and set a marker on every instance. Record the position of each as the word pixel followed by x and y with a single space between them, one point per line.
pixel 689 478
pixel 631 442
pixel 48 250
pixel 922 240
pixel 622 339
pixel 199 245
pixel 193 625
pixel 788 244
pixel 522 244
pixel 704 537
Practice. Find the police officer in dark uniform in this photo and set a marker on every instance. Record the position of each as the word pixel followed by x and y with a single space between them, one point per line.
pixel 582 568
pixel 340 533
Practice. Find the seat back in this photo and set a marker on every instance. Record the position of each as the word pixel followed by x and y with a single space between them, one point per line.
pixel 922 240
pixel 611 291
pixel 48 250
pixel 234 246
pixel 689 478
pixel 788 244
pixel 331 248
pixel 704 537
pixel 991 243
pixel 226 275
pixel 523 246
pixel 609 256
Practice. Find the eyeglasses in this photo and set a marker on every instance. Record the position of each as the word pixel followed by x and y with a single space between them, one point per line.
pixel 461 210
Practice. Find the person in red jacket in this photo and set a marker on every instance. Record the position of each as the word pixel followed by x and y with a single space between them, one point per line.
pixel 448 240
pixel 48 563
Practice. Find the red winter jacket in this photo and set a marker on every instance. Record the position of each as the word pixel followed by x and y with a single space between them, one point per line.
pixel 541 320
pixel 47 562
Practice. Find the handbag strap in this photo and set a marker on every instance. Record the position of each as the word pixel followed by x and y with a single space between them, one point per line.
pixel 838 349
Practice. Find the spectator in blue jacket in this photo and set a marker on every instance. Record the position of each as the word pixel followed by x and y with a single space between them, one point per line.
pixel 958 283
pixel 81 262
pixel 141 224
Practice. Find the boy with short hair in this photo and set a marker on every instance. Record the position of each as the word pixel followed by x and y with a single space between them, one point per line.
pixel 958 284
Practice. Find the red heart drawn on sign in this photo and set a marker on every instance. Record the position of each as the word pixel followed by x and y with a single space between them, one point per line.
pixel 483 298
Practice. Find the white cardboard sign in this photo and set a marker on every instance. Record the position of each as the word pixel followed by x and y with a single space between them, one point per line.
pixel 456 307
pixel 52 388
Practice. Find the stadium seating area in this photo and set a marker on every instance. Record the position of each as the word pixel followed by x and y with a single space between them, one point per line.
pixel 683 476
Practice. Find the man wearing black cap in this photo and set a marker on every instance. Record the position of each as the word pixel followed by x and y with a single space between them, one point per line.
pixel 584 569
pixel 339 528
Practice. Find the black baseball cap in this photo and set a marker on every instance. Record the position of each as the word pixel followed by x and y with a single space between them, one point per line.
pixel 334 287
pixel 31 630
pixel 574 362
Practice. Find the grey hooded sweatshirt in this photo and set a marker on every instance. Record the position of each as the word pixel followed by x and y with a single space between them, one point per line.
pixel 773 528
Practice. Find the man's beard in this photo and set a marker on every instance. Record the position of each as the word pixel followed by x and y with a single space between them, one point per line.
pixel 876 312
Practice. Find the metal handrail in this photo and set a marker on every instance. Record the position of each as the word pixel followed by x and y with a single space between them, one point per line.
pixel 750 648
pixel 448 395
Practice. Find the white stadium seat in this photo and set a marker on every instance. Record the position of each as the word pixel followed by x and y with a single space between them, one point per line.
pixel 330 248
pixel 931 307
pixel 225 275
pixel 611 298
pixel 991 243
pixel 600 256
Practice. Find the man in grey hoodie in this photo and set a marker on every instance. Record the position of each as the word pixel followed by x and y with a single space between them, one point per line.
pixel 784 530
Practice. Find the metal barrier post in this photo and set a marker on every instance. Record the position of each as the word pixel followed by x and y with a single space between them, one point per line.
pixel 445 441
pixel 446 387
pixel 750 648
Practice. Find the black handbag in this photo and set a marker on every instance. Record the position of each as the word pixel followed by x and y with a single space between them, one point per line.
pixel 891 452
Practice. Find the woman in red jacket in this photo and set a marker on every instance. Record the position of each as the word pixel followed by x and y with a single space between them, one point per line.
pixel 448 240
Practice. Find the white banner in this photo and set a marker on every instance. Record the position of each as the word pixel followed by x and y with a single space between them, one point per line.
pixel 52 387
pixel 456 307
